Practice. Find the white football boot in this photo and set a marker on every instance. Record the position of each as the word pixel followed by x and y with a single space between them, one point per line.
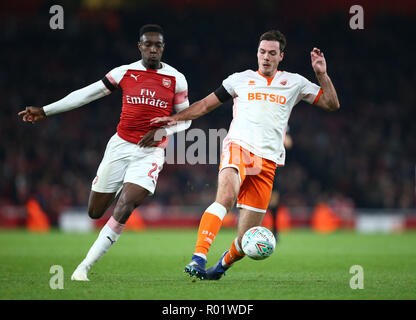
pixel 80 273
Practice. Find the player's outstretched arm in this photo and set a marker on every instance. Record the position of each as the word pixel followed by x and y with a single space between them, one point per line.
pixel 329 99
pixel 196 110
pixel 73 100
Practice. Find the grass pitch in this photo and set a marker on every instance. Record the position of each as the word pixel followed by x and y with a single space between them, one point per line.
pixel 149 265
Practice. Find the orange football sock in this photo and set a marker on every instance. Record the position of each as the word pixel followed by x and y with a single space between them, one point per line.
pixel 208 228
pixel 233 254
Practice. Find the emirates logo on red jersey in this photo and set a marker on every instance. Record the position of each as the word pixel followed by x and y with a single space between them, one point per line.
pixel 166 82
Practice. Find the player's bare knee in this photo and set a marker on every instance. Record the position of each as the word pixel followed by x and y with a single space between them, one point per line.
pixel 223 200
pixel 95 213
pixel 227 199
pixel 98 204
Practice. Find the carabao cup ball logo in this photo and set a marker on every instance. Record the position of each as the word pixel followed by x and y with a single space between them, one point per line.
pixel 258 243
pixel 264 249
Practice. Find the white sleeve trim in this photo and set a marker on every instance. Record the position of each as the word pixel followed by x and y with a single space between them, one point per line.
pixel 178 127
pixel 181 106
pixel 77 98
pixel 229 83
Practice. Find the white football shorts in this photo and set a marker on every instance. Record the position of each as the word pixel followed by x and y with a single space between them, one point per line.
pixel 123 162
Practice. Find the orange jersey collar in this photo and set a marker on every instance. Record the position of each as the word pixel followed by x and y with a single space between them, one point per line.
pixel 269 80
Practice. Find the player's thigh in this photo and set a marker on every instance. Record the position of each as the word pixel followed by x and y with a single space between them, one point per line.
pixel 248 219
pixel 132 196
pixel 98 203
pixel 110 174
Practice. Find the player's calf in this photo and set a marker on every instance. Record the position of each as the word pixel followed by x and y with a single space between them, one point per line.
pixel 108 235
pixel 131 197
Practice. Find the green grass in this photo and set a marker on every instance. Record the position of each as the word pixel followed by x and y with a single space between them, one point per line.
pixel 149 265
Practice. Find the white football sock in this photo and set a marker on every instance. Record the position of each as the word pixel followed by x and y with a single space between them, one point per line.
pixel 109 234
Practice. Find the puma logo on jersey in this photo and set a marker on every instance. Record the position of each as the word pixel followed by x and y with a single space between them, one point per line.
pixel 251 82
pixel 283 82
pixel 135 77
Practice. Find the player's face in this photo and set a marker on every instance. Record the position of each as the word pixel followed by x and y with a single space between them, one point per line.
pixel 269 56
pixel 151 47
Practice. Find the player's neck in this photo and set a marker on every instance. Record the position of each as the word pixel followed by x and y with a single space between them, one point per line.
pixel 268 75
pixel 151 66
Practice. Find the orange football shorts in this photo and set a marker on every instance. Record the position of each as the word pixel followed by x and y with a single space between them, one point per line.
pixel 256 176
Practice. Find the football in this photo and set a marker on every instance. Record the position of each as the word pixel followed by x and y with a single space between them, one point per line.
pixel 258 243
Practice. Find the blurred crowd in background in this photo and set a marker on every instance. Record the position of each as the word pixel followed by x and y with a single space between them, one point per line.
pixel 364 154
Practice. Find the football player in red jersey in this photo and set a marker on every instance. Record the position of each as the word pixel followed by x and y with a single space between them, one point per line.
pixel 134 155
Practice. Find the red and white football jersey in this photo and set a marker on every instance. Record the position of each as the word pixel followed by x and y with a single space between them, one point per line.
pixel 147 94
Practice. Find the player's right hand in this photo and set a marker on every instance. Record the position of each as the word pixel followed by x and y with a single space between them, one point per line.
pixel 32 114
pixel 170 121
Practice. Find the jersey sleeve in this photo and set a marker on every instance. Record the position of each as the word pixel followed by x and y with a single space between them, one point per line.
pixel 180 101
pixel 229 84
pixel 113 77
pixel 77 98
pixel 309 91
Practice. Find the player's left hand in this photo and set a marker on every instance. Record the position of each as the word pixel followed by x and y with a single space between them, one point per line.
pixel 170 121
pixel 152 138
pixel 32 114
pixel 318 61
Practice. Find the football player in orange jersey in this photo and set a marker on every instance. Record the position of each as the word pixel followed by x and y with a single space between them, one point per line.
pixel 253 148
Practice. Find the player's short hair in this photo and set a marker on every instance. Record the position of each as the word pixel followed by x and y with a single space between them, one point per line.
pixel 150 28
pixel 274 35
